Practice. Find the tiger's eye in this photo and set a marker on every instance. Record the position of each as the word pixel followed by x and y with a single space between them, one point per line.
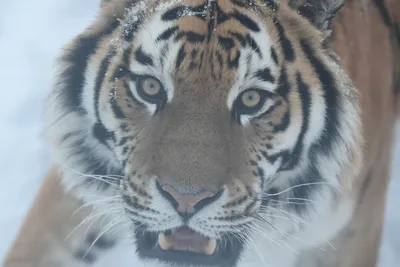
pixel 251 98
pixel 151 86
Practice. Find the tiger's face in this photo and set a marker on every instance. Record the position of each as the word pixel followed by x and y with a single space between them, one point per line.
pixel 228 125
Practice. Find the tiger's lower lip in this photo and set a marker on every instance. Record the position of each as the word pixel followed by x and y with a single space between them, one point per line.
pixel 184 239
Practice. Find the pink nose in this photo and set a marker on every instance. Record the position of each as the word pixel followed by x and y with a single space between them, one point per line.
pixel 187 205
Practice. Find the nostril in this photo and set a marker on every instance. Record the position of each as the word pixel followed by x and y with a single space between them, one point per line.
pixel 186 215
pixel 167 195
pixel 207 201
pixel 187 204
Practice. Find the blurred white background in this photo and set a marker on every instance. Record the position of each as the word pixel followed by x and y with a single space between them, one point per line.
pixel 31 34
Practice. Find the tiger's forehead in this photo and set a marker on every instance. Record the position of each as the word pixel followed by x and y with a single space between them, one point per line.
pixel 202 44
pixel 214 29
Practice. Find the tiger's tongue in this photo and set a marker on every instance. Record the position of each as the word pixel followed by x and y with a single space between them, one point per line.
pixel 183 239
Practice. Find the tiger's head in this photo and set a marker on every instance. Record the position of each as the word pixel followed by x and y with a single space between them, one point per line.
pixel 225 128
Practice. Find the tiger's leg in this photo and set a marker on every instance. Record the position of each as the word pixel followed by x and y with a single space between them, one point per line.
pixel 42 240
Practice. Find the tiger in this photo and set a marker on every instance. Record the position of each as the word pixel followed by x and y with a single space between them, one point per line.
pixel 225 133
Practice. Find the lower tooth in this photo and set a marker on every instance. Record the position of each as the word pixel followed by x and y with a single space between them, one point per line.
pixel 164 242
pixel 211 247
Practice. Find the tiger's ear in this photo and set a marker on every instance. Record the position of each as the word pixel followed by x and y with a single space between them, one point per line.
pixel 318 12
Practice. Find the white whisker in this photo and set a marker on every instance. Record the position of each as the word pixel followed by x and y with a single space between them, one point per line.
pixel 300 185
pixel 107 228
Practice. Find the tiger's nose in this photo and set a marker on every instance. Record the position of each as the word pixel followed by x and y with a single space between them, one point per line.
pixel 187 205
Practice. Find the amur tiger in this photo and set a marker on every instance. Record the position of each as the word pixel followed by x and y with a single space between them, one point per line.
pixel 225 133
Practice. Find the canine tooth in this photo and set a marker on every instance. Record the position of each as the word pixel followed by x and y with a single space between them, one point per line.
pixel 211 246
pixel 164 242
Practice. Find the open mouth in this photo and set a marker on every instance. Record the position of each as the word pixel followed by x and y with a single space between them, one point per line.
pixel 186 240
pixel 183 246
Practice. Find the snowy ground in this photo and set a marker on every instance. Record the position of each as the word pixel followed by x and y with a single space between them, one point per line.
pixel 31 34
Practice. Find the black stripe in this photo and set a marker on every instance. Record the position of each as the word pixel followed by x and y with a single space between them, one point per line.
pixel 73 77
pixel 99 130
pixel 284 86
pixel 384 13
pixel 167 34
pixel 305 100
pixel 179 36
pixel 272 158
pixel 234 63
pixel 284 123
pixel 265 75
pixel 286 44
pixel 100 78
pixel 181 56
pixel 239 37
pixel 126 160
pixel 246 21
pixel 220 14
pixel 226 43
pixel 392 25
pixel 261 175
pixel 250 207
pixel 240 3
pixel 182 11
pixel 143 58
pixel 193 37
pixel 331 98
pixel 194 53
pixel 274 55
pixel 123 141
pixel 126 57
pixel 220 59
pixel 254 45
pixel 102 134
pixel 201 59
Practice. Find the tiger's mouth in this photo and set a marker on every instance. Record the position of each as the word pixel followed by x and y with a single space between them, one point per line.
pixel 184 239
pixel 183 247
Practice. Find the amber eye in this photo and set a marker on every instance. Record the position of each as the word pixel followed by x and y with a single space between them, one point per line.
pixel 250 102
pixel 251 98
pixel 151 90
pixel 151 86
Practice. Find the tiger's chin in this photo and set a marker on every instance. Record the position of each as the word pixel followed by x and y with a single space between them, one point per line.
pixel 185 247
